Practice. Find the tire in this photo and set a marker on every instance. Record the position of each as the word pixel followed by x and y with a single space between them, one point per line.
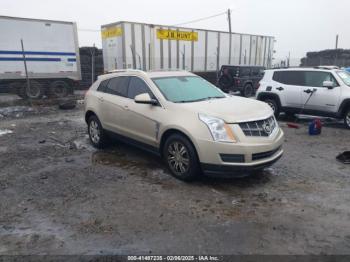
pixel 225 83
pixel 59 89
pixel 274 105
pixel 97 134
pixel 247 91
pixel 177 151
pixel 34 91
pixel 347 118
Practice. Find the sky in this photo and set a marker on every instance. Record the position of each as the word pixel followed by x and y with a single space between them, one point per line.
pixel 299 26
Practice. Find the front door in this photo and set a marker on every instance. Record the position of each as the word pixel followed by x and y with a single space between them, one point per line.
pixel 321 98
pixel 142 124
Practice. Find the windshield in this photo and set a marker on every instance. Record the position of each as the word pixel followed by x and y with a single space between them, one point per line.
pixel 184 89
pixel 345 76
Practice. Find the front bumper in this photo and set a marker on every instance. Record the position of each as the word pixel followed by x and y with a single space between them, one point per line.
pixel 236 170
pixel 240 158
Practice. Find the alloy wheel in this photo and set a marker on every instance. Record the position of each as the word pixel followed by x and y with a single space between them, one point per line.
pixel 94 131
pixel 272 105
pixel 178 158
pixel 347 119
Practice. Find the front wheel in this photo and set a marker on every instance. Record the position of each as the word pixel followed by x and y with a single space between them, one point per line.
pixel 181 158
pixel 347 118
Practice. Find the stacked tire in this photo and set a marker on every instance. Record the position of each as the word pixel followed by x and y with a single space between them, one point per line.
pixel 86 54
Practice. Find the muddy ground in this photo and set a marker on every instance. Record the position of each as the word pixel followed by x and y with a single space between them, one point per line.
pixel 58 195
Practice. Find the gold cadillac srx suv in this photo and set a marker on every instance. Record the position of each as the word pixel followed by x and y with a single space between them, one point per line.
pixel 190 123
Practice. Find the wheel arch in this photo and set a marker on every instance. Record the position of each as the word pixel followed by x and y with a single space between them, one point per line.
pixel 88 114
pixel 265 95
pixel 343 107
pixel 173 130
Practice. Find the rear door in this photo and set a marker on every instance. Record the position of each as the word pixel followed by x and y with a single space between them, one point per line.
pixel 289 86
pixel 322 98
pixel 114 104
pixel 142 124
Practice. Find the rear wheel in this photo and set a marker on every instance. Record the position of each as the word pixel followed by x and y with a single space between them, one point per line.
pixel 247 91
pixel 59 89
pixel 181 158
pixel 347 118
pixel 97 135
pixel 34 90
pixel 274 105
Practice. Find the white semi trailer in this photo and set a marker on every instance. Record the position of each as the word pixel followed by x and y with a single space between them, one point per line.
pixel 46 51
pixel 154 47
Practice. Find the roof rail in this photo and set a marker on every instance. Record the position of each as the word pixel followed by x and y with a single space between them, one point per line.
pixel 124 70
pixel 329 67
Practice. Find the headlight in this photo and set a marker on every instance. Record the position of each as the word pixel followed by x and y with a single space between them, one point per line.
pixel 219 130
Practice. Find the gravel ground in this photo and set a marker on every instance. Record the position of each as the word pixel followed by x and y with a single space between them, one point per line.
pixel 61 196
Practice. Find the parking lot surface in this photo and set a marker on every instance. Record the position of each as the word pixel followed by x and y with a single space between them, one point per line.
pixel 61 196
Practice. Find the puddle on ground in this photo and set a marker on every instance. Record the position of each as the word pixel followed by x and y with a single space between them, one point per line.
pixel 128 157
pixel 148 167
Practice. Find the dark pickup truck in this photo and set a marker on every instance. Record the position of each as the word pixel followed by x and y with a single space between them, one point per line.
pixel 240 78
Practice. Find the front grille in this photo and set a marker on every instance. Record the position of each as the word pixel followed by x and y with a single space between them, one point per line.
pixel 263 155
pixel 260 127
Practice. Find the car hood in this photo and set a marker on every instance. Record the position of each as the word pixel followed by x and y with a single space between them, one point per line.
pixel 232 109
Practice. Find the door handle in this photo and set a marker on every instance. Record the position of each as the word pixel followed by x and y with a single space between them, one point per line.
pixel 101 99
pixel 126 108
pixel 307 91
pixel 280 88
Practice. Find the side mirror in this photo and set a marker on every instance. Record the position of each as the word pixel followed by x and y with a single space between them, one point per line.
pixel 328 84
pixel 145 99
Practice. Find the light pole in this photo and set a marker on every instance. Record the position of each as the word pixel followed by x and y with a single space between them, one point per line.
pixel 230 31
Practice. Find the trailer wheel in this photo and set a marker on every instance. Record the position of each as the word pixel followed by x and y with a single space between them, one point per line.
pixel 59 89
pixel 34 91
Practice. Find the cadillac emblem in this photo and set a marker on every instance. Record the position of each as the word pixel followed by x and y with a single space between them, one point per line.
pixel 267 128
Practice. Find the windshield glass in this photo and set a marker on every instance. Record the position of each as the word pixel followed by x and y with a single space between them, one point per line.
pixel 183 89
pixel 345 76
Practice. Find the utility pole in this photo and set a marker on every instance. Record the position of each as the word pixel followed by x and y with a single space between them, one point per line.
pixel 336 49
pixel 25 65
pixel 93 65
pixel 336 41
pixel 230 31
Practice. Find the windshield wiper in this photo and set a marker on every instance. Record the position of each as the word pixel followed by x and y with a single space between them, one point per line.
pixel 201 99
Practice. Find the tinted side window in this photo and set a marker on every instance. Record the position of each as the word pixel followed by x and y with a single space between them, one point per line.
pixel 316 79
pixel 245 72
pixel 137 86
pixel 102 86
pixel 118 86
pixel 256 72
pixel 289 77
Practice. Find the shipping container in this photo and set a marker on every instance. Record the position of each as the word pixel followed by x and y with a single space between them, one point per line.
pixel 159 47
pixel 49 50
